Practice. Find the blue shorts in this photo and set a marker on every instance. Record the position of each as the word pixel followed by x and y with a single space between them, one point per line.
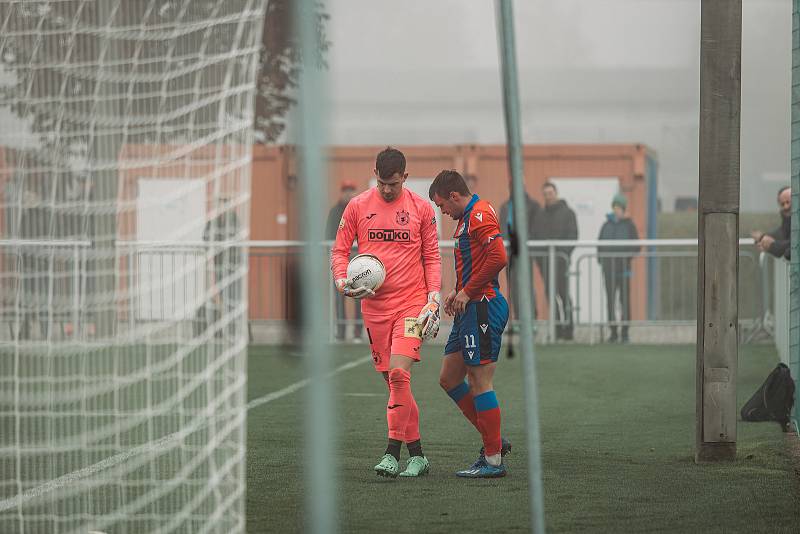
pixel 478 331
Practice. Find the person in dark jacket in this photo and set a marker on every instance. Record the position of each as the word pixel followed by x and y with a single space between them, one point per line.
pixel 222 229
pixel 347 192
pixel 616 264
pixel 220 233
pixel 506 217
pixel 778 241
pixel 558 221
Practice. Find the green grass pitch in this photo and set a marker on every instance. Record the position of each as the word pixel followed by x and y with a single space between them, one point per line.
pixel 618 437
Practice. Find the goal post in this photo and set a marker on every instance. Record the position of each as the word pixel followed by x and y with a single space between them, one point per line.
pixel 124 197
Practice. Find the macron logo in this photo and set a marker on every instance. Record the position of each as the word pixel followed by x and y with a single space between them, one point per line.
pixel 484 327
pixel 479 216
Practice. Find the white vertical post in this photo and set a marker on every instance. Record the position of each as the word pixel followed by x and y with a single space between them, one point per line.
pixel 505 27
pixel 551 292
pixel 313 181
pixel 76 269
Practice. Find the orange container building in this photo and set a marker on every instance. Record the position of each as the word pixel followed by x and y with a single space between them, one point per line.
pixel 274 214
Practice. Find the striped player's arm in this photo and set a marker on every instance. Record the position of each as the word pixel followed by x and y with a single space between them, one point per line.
pixel 485 233
pixel 496 259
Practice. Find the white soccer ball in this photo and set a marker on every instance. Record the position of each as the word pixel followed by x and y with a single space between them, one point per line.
pixel 366 270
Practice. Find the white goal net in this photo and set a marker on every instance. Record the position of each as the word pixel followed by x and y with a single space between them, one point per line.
pixel 126 129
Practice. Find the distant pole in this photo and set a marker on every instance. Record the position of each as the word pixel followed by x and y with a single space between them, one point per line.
pixel 320 469
pixel 508 56
pixel 104 156
pixel 718 229
pixel 794 314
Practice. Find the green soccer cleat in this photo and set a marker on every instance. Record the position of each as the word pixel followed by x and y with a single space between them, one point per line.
pixel 388 466
pixel 417 466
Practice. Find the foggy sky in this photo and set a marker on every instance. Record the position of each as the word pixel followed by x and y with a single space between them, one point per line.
pixel 591 71
pixel 427 71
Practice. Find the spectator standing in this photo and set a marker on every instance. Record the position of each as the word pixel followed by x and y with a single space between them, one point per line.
pixel 778 241
pixel 347 192
pixel 616 264
pixel 558 221
pixel 219 233
pixel 506 219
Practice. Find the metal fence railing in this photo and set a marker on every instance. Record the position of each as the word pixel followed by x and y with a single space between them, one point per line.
pixel 655 283
pixel 779 311
pixel 41 283
pixel 43 286
pixel 662 288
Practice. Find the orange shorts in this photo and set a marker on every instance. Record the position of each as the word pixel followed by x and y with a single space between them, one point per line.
pixel 394 334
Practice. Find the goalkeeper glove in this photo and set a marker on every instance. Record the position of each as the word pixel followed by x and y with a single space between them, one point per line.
pixel 345 287
pixel 428 319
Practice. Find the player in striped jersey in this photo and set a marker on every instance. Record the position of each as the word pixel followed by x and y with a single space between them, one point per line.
pixel 481 314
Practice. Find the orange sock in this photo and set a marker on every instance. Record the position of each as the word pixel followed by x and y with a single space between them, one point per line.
pixel 412 428
pixel 462 396
pixel 398 411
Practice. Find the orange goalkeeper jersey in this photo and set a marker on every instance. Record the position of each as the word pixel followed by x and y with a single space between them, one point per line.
pixel 402 234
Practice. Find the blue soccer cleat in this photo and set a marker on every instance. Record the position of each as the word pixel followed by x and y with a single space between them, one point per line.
pixel 481 461
pixel 481 469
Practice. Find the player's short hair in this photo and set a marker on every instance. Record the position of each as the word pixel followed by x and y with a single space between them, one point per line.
pixel 782 189
pixel 550 184
pixel 446 182
pixel 389 162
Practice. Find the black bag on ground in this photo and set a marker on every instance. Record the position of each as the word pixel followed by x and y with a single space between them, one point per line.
pixel 774 399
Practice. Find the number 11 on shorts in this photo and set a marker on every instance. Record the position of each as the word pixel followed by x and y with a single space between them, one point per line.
pixel 469 341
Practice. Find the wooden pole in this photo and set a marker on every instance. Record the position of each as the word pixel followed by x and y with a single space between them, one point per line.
pixel 718 228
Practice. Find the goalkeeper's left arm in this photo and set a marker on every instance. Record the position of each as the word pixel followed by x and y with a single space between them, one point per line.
pixel 428 319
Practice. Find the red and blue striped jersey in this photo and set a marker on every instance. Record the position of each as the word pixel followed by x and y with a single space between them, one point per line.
pixel 479 252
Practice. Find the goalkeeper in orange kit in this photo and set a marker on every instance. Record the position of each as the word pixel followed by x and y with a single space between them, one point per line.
pixel 399 228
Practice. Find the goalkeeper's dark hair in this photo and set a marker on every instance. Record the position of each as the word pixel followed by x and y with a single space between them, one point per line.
pixel 446 182
pixel 389 162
